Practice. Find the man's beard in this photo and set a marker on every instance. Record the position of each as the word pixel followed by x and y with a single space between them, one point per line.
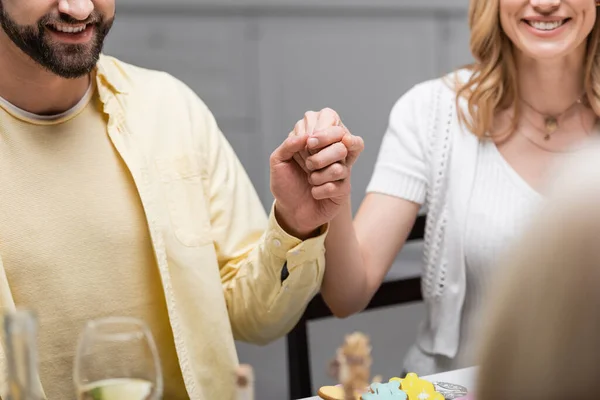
pixel 65 60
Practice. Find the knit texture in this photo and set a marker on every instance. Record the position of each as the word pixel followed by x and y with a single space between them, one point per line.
pixel 66 199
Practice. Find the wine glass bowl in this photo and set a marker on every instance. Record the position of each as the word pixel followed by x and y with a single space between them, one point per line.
pixel 117 359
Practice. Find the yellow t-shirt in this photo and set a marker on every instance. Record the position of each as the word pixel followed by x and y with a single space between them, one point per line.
pixel 74 239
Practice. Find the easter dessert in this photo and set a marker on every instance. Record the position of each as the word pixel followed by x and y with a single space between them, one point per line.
pixel 334 393
pixel 417 388
pixel 409 388
pixel 352 368
pixel 385 391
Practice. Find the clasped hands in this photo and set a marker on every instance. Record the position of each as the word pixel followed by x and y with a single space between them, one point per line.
pixel 310 172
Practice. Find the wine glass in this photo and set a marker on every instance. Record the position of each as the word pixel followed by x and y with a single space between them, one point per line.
pixel 117 359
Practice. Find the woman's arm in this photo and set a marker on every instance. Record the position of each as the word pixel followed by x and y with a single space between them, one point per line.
pixel 360 253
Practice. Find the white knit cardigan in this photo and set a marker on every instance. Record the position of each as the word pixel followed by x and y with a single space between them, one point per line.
pixel 427 157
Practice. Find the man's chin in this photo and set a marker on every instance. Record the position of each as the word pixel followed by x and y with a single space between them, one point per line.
pixel 71 71
pixel 65 55
pixel 70 61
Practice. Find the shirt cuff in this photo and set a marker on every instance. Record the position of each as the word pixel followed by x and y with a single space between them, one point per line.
pixel 291 249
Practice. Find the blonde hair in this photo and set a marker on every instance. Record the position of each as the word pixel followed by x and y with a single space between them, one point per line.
pixel 493 84
pixel 541 335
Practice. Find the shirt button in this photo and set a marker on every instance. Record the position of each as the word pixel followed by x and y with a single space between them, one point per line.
pixel 277 242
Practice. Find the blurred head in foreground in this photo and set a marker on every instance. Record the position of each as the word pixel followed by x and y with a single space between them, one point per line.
pixel 541 338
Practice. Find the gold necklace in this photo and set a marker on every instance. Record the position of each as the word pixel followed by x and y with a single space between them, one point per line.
pixel 551 121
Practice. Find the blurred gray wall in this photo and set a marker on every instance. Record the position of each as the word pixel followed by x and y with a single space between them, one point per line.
pixel 260 64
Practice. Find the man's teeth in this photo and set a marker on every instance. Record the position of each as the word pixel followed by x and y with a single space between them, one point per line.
pixel 546 26
pixel 69 28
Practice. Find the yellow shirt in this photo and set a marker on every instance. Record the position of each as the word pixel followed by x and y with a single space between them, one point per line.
pixel 77 246
pixel 218 256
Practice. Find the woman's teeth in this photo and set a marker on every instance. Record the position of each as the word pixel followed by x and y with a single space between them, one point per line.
pixel 546 26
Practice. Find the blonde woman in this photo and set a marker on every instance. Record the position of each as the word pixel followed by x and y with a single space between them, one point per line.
pixel 541 330
pixel 475 148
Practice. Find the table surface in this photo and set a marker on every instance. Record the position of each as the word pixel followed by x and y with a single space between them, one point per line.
pixel 464 377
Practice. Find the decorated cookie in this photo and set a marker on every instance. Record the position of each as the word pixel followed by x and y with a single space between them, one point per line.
pixel 409 388
pixel 418 389
pixel 333 393
pixel 450 391
pixel 385 391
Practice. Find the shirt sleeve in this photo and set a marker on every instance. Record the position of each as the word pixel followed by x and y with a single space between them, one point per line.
pixel 401 169
pixel 253 250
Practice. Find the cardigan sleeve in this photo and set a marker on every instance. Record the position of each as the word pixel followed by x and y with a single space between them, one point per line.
pixel 402 166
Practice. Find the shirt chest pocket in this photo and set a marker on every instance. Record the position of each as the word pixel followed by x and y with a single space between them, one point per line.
pixel 182 181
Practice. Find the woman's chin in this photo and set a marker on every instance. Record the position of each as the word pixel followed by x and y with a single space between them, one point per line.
pixel 546 51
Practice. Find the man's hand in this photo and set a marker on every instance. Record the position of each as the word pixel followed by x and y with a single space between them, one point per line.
pixel 310 172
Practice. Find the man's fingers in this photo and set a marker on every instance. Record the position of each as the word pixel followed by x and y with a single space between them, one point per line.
pixel 300 161
pixel 285 152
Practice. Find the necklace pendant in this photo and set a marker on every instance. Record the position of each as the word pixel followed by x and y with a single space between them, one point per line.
pixel 551 124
